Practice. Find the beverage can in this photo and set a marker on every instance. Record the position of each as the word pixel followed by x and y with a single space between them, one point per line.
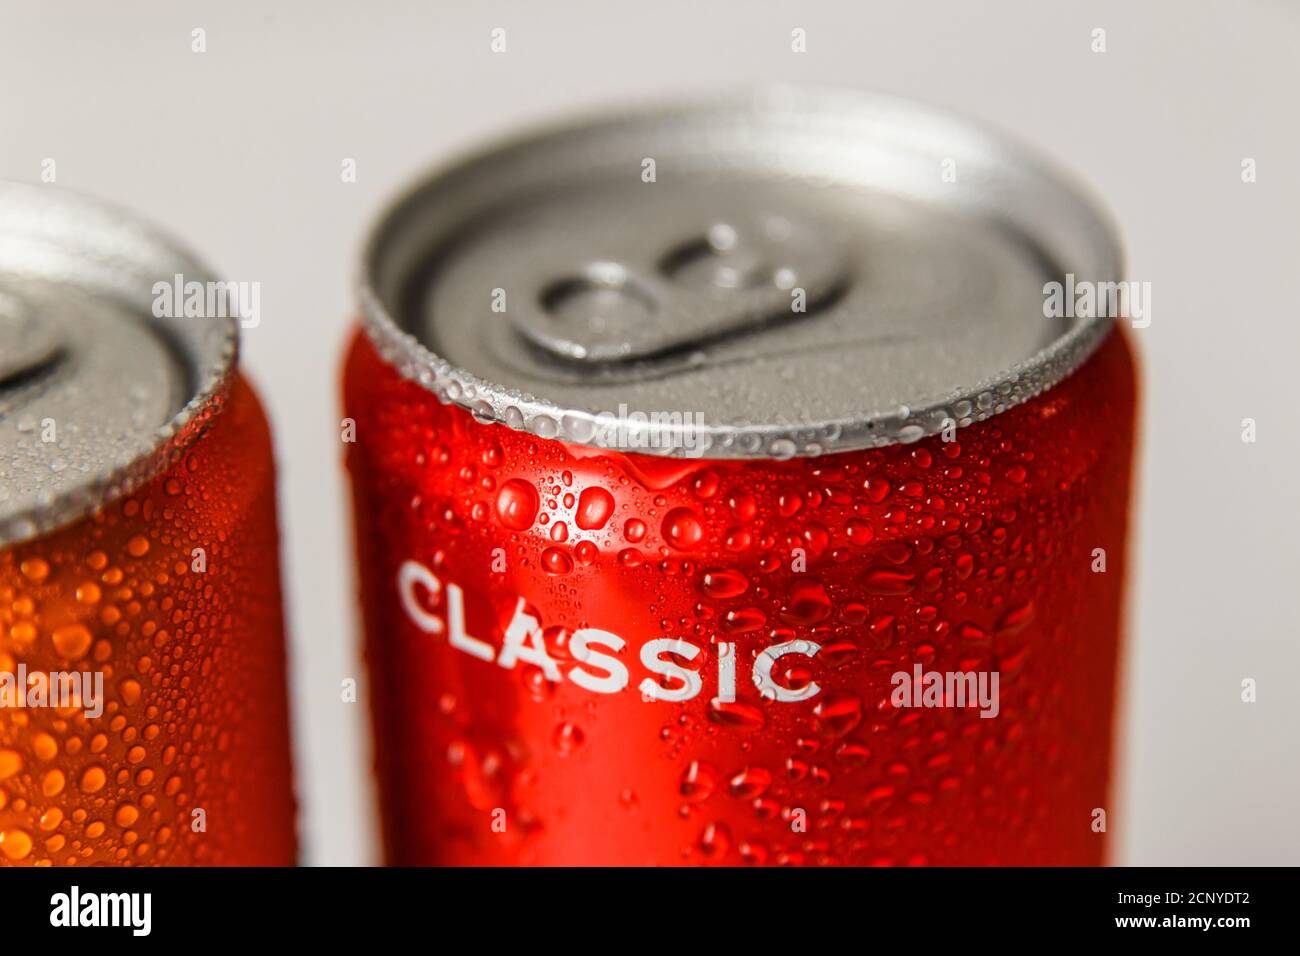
pixel 727 492
pixel 143 710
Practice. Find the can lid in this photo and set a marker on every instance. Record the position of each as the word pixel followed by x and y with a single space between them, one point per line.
pixel 97 393
pixel 793 273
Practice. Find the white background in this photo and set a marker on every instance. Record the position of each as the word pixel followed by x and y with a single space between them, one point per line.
pixel 238 150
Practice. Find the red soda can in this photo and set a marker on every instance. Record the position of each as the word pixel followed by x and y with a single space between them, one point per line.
pixel 143 708
pixel 726 492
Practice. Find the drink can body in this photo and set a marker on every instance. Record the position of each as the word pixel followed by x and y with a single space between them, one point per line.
pixel 143 698
pixel 760 513
pixel 1001 552
pixel 171 597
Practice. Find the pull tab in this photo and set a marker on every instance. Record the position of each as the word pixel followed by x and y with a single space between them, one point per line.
pixel 27 342
pixel 733 276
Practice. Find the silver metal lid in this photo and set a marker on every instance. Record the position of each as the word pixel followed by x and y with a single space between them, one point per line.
pixel 97 394
pixel 795 273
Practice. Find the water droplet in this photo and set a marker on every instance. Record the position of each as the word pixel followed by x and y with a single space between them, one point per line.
pixel 51 819
pixel 44 746
pixel 715 840
pixel 782 449
pixel 1016 619
pixel 808 603
pixel 129 690
pixel 882 580
pixel 71 641
pixel 877 489
pixel 837 653
pixel 555 561
pixel 15 844
pixel 517 504
pixel 742 505
pixel 743 620
pixel 11 761
pixel 567 738
pixel 682 529
pixel 705 484
pixel 741 716
pixel 52 783
pixel 859 531
pixel 93 779
pixel 723 583
pixel 789 503
pixel 595 505
pixel 35 569
pixel 853 753
pixel 698 782
pixel 838 713
pixel 750 783
pixel 738 539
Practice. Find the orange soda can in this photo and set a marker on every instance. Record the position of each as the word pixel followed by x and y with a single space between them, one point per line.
pixel 143 711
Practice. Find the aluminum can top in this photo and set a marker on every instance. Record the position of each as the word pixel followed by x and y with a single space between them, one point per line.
pixel 104 380
pixel 789 273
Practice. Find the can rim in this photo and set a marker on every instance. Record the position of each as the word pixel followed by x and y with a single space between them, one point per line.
pixel 491 402
pixel 153 453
